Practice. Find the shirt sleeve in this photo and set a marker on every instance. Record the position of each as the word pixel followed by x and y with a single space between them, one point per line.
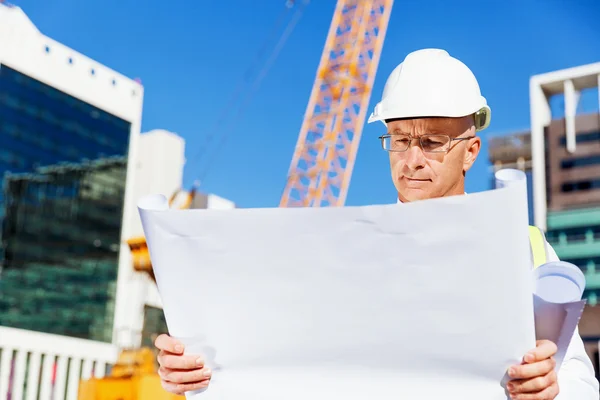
pixel 576 377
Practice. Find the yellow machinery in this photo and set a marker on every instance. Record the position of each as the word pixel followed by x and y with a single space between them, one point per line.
pixel 133 377
pixel 138 246
pixel 319 173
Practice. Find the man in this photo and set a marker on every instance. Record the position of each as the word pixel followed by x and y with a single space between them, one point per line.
pixel 432 108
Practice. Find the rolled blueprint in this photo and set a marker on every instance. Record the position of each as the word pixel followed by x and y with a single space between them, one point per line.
pixel 558 306
pixel 513 178
pixel 559 282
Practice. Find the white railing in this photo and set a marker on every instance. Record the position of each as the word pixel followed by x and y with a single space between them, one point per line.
pixel 52 366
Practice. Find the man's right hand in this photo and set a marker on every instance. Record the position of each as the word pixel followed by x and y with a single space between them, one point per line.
pixel 180 373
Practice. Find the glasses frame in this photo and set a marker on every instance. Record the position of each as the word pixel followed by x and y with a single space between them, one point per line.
pixel 412 138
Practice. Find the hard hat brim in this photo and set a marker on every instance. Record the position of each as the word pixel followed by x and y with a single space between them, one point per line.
pixel 482 117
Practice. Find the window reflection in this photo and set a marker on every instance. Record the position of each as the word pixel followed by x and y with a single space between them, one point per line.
pixel 63 164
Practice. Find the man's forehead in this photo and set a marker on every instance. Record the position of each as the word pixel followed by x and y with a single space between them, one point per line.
pixel 431 124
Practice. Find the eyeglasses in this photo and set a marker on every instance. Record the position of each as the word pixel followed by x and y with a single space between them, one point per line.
pixel 399 142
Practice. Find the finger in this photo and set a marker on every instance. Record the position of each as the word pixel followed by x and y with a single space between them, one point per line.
pixel 528 371
pixel 549 393
pixel 167 343
pixel 544 349
pixel 184 377
pixel 532 385
pixel 180 389
pixel 173 361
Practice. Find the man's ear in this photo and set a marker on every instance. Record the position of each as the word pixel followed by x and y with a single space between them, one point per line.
pixel 471 153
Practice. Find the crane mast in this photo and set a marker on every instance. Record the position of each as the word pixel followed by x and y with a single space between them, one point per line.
pixel 325 153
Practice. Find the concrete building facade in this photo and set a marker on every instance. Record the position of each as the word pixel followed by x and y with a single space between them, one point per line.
pixel 568 83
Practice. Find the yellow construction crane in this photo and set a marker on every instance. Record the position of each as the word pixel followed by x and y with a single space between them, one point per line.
pixel 319 174
pixel 324 157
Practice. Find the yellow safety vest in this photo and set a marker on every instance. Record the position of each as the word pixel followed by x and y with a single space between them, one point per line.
pixel 537 243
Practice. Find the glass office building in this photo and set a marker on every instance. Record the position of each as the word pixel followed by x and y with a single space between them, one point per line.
pixel 63 164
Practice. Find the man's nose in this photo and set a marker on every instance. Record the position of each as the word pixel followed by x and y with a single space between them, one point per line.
pixel 415 159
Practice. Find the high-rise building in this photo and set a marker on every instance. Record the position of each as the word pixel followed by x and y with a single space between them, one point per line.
pixel 68 127
pixel 561 156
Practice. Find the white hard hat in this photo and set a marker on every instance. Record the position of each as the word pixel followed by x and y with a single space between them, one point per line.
pixel 431 83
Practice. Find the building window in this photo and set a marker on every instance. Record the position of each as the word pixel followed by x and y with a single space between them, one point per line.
pixel 580 162
pixel 582 138
pixel 589 184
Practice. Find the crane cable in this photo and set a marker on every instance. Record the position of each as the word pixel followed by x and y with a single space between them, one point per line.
pixel 253 88
pixel 237 92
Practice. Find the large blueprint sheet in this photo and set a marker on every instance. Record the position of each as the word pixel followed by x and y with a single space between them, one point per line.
pixel 428 300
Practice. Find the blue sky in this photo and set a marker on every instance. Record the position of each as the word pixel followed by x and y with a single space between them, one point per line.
pixel 191 55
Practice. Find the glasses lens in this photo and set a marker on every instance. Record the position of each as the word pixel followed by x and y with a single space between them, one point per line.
pixel 396 142
pixel 435 143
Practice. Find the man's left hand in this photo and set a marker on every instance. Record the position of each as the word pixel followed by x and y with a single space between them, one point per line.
pixel 535 378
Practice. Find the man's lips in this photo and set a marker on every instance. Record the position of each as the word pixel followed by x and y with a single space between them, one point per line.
pixel 416 180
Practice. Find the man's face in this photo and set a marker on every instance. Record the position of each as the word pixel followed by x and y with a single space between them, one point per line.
pixel 420 175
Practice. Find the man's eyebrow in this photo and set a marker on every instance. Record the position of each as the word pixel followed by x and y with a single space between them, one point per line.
pixel 438 131
pixel 397 132
pixel 434 131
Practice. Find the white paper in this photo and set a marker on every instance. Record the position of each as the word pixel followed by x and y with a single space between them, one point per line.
pixel 431 299
pixel 557 322
pixel 554 320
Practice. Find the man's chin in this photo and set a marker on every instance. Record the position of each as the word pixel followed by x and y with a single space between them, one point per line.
pixel 414 194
